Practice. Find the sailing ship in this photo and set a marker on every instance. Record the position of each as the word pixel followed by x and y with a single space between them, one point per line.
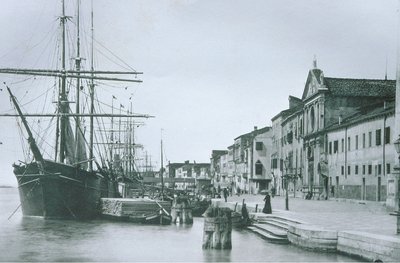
pixel 70 184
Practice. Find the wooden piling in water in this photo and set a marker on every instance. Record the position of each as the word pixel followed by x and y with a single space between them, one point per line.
pixel 217 228
pixel 181 211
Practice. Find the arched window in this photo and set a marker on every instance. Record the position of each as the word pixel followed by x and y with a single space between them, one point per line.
pixel 312 119
pixel 259 168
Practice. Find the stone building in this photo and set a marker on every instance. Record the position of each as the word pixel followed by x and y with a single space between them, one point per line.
pixel 361 154
pixel 259 160
pixel 216 164
pixel 335 114
pixel 245 166
pixel 287 144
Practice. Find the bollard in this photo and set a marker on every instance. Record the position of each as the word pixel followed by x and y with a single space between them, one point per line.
pixel 181 211
pixel 217 228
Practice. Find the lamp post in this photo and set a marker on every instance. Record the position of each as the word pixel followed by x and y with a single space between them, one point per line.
pixel 286 181
pixel 397 213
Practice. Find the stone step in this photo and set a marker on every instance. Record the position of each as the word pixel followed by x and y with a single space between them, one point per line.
pixel 273 230
pixel 282 223
pixel 261 216
pixel 267 236
pixel 275 223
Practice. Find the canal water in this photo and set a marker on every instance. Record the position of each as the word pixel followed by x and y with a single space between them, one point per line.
pixel 35 239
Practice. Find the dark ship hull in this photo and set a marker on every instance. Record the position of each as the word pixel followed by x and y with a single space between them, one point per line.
pixel 61 190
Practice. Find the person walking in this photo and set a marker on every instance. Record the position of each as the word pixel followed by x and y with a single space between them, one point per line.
pixel 267 206
pixel 225 194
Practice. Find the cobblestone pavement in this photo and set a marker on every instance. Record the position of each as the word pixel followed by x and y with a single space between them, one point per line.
pixel 332 214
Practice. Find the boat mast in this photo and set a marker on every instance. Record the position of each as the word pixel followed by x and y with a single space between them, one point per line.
pixel 62 100
pixel 78 80
pixel 162 170
pixel 112 132
pixel 32 143
pixel 91 94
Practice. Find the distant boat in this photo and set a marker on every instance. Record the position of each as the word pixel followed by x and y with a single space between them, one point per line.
pixel 67 186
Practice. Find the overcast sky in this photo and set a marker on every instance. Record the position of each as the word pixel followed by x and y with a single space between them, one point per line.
pixel 213 69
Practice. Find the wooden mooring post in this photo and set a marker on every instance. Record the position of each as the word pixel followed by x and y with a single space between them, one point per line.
pixel 181 211
pixel 217 228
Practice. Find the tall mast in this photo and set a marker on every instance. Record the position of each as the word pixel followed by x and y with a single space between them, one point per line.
pixel 78 81
pixel 162 170
pixel 130 143
pixel 112 128
pixel 62 100
pixel 91 94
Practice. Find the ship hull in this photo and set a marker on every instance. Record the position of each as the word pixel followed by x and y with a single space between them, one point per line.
pixel 61 191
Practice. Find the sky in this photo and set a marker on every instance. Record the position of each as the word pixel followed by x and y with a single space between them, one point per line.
pixel 213 69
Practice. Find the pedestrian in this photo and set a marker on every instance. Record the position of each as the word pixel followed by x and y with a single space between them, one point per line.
pixel 238 191
pixel 267 206
pixel 225 194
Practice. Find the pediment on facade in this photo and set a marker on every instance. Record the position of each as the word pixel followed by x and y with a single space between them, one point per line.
pixel 314 83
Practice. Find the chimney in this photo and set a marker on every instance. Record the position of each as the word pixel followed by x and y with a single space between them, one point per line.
pixel 340 119
pixel 255 128
pixel 384 105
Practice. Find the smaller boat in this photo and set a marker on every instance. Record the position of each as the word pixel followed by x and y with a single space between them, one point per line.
pixel 199 207
pixel 158 219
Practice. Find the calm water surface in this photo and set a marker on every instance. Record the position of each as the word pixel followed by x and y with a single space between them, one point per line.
pixel 35 239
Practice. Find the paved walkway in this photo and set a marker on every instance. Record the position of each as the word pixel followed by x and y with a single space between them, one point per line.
pixel 333 214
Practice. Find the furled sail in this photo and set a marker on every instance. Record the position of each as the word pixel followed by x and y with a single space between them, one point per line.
pixel 81 156
pixel 69 143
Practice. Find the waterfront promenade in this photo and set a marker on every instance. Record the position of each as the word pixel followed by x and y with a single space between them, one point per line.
pixel 333 214
pixel 359 228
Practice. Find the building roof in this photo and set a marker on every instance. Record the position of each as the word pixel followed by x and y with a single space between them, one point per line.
pixel 217 153
pixel 365 113
pixel 254 132
pixel 361 87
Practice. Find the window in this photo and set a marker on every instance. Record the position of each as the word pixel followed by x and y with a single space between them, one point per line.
pixel 348 170
pixel 335 146
pixel 379 168
pixel 370 139
pixel 356 142
pixel 342 145
pixel 281 164
pixel 342 170
pixel 388 168
pixel 363 142
pixel 274 163
pixel 356 169
pixel 378 137
pixel 259 168
pixel 312 119
pixel 330 147
pixel 348 143
pixel 369 169
pixel 387 135
pixel 289 137
pixel 363 169
pixel 259 146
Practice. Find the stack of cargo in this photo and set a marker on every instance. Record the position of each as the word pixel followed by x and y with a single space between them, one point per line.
pixel 135 210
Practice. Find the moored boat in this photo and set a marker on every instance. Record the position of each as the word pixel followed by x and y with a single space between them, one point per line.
pixel 67 185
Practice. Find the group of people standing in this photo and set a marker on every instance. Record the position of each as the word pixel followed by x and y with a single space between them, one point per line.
pixel 227 191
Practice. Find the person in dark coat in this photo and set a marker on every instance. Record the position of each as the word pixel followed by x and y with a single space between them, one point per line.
pixel 225 194
pixel 267 206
